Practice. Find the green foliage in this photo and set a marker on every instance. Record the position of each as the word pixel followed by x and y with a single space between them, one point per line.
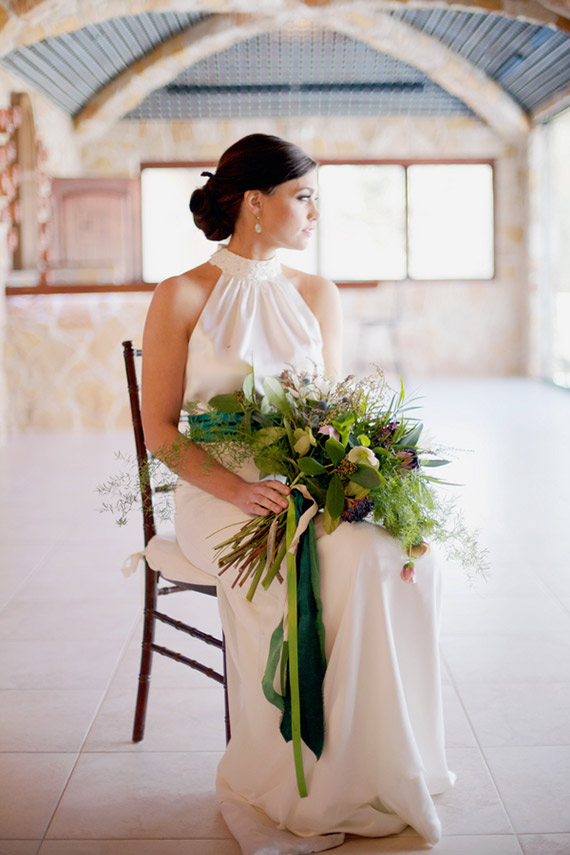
pixel 354 444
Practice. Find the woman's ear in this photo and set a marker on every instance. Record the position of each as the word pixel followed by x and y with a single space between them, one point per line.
pixel 252 201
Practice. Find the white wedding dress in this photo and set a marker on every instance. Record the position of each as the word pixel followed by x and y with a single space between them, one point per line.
pixel 384 747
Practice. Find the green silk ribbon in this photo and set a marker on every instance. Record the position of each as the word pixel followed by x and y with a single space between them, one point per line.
pixel 302 656
pixel 214 427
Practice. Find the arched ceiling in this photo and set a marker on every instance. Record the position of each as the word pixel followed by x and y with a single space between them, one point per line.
pixel 504 61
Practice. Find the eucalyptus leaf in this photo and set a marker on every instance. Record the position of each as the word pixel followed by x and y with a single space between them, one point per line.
pixel 289 430
pixel 269 435
pixel 380 450
pixel 248 386
pixel 355 491
pixel 329 524
pixel 276 394
pixel 311 466
pixel 226 404
pixel 335 497
pixel 366 476
pixel 411 437
pixel 267 464
pixel 335 450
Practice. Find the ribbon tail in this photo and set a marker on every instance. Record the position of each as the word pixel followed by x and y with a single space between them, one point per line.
pixel 294 654
pixel 130 564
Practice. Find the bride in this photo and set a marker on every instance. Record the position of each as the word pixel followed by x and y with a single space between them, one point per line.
pixel 383 755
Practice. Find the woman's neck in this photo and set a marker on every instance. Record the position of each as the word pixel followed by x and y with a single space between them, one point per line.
pixel 253 248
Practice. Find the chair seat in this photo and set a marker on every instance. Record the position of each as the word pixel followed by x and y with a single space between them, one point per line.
pixel 165 557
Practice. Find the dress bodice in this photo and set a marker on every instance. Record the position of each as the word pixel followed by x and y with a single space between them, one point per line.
pixel 253 316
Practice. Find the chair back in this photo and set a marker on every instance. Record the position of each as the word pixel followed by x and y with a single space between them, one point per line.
pixel 154 587
pixel 145 485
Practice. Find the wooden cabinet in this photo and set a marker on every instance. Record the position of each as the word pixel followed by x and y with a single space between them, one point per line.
pixel 96 237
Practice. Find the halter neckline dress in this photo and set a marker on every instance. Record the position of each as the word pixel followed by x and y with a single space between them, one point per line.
pixel 384 748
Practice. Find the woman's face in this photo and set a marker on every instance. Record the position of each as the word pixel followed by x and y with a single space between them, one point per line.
pixel 289 215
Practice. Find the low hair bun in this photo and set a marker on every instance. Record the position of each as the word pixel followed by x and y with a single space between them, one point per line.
pixel 208 215
pixel 256 162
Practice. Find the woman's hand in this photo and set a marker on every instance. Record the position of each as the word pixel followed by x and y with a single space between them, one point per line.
pixel 261 497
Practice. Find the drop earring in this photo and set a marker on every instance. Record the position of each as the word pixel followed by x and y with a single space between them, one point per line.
pixel 257 226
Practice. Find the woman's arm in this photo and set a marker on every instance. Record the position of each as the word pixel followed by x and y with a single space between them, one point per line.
pixel 172 315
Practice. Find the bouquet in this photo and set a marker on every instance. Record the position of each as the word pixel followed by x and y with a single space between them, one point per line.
pixel 350 451
pixel 356 448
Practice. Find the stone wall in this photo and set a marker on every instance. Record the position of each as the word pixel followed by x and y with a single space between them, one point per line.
pixel 64 358
pixel 64 368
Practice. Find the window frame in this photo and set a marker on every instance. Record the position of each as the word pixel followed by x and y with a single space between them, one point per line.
pixel 42 287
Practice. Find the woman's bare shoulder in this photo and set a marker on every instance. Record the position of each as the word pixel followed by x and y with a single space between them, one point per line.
pixel 313 288
pixel 190 285
pixel 186 292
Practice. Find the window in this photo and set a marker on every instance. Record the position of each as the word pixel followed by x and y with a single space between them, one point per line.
pixel 386 221
pixel 450 221
pixel 379 221
pixel 171 243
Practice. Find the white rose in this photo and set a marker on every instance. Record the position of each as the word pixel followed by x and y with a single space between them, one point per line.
pixel 361 455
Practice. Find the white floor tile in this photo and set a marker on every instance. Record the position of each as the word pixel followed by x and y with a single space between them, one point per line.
pixel 140 847
pixel 30 787
pixel 473 805
pixel 534 784
pixel 516 658
pixel 19 559
pixel 506 642
pixel 458 731
pixel 47 720
pixel 188 719
pixel 518 714
pixel 481 844
pixel 19 847
pixel 545 844
pixel 54 620
pixel 472 615
pixel 141 795
pixel 57 664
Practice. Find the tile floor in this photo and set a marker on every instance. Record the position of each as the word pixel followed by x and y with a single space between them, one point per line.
pixel 72 783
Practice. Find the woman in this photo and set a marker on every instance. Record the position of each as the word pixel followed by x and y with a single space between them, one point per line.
pixel 383 754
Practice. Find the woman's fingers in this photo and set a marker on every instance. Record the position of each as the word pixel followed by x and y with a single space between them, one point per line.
pixel 265 496
pixel 273 498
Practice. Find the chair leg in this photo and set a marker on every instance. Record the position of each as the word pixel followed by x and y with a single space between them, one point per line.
pixel 146 655
pixel 226 703
pixel 142 694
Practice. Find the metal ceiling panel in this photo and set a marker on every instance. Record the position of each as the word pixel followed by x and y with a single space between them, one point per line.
pixel 298 71
pixel 71 68
pixel 516 54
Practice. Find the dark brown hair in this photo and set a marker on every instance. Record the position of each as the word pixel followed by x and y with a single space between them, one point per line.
pixel 256 162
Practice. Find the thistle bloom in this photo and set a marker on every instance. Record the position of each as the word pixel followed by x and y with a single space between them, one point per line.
pixel 360 454
pixel 408 573
pixel 409 458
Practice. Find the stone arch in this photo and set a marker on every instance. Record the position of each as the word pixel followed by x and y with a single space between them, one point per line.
pixel 450 71
pixel 23 22
pixel 382 32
